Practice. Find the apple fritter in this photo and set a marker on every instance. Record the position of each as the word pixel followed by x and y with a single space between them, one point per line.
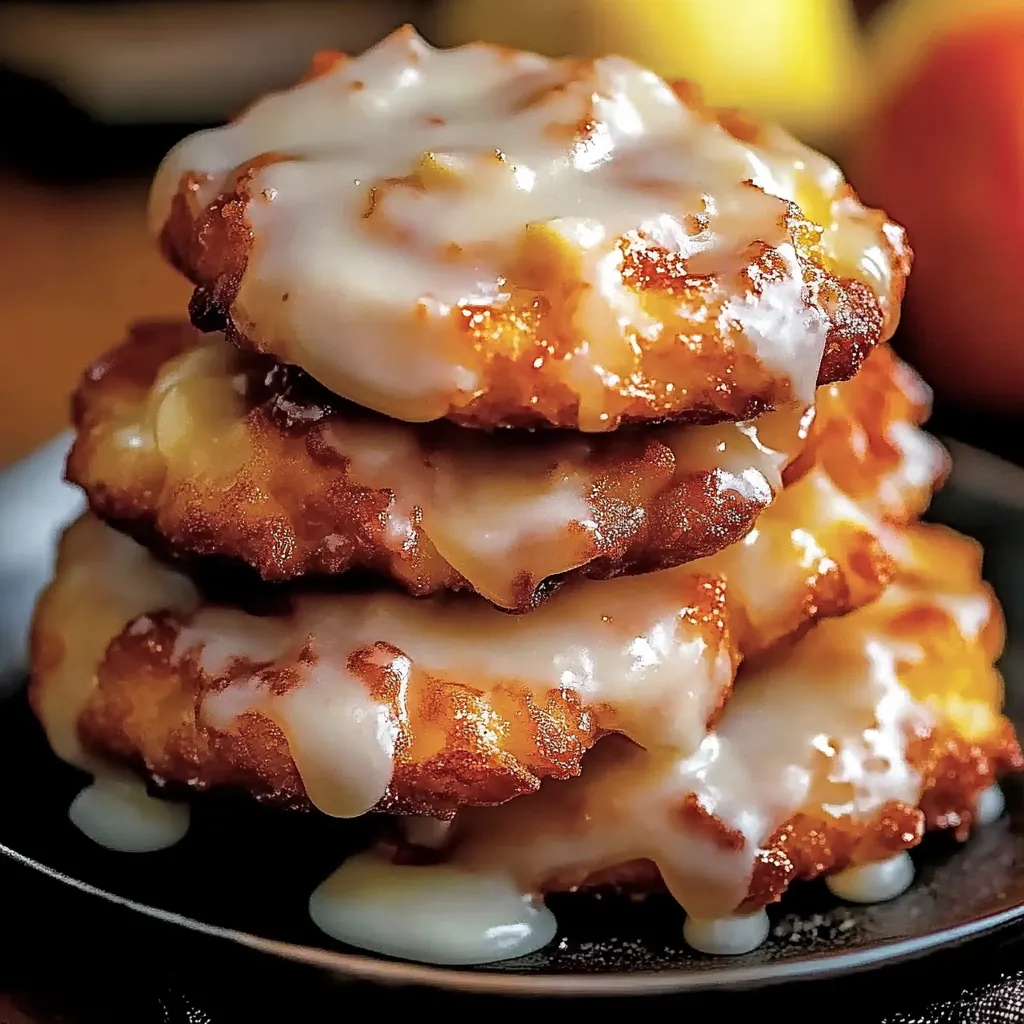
pixel 837 750
pixel 356 701
pixel 569 243
pixel 204 452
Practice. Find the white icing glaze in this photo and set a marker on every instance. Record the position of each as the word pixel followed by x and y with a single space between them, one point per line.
pixel 539 509
pixel 809 529
pixel 990 806
pixel 431 833
pixel 439 914
pixel 626 645
pixel 921 462
pixel 423 175
pixel 873 883
pixel 494 511
pixel 459 489
pixel 823 728
pixel 115 811
pixel 971 612
pixel 726 936
pixel 342 741
pixel 120 581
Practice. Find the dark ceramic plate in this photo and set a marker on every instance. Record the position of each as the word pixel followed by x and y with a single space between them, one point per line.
pixel 253 890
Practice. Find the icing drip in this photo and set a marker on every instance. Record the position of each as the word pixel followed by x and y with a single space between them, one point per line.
pixel 991 805
pixel 632 642
pixel 115 811
pixel 726 936
pixel 873 883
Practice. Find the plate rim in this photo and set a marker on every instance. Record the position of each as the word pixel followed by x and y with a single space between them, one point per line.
pixel 977 472
pixel 360 967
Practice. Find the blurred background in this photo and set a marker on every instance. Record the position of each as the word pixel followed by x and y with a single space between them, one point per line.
pixel 921 100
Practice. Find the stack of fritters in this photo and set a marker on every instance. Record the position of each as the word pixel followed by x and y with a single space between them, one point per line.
pixel 531 420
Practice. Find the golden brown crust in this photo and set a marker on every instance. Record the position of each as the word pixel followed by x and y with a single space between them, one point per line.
pixel 460 739
pixel 709 374
pixel 161 735
pixel 278 496
pixel 715 380
pixel 283 499
pixel 853 437
pixel 966 749
pixel 955 773
pixel 466 738
pixel 806 847
pixel 835 750
pixel 254 756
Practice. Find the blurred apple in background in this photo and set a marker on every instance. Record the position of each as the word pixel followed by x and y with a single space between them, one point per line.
pixel 941 149
pixel 799 62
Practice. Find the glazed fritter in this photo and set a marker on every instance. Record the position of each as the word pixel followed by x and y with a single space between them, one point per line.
pixel 352 701
pixel 347 701
pixel 204 452
pixel 568 243
pixel 837 750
